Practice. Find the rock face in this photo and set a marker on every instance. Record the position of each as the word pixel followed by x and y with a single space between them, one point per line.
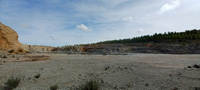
pixel 36 48
pixel 8 39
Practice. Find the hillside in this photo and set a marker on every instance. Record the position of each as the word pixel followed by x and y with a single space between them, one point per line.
pixel 187 42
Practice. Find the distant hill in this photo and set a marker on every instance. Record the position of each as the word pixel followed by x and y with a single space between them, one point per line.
pixel 187 36
pixel 187 42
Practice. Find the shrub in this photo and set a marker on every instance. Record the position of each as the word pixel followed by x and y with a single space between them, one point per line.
pixel 196 66
pixel 54 87
pixel 106 68
pixel 90 85
pixel 11 83
pixel 197 88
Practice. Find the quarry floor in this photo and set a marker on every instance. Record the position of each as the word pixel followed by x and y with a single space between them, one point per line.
pixel 112 72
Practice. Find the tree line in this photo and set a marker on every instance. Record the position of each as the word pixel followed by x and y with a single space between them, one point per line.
pixel 188 35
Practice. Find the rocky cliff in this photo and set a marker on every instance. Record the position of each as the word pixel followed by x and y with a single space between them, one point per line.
pixel 8 39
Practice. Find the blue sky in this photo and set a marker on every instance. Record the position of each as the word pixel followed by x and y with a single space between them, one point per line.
pixel 68 22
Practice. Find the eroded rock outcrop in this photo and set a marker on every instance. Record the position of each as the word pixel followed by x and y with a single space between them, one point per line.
pixel 8 39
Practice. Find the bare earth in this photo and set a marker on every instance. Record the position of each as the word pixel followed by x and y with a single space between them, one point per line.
pixel 113 72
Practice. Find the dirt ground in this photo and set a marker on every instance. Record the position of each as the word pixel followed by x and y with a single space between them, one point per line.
pixel 112 72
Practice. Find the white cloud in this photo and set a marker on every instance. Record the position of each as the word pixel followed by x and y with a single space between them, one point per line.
pixel 83 27
pixel 140 30
pixel 169 6
pixel 128 19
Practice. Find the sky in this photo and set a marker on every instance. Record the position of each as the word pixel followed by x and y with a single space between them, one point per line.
pixel 69 22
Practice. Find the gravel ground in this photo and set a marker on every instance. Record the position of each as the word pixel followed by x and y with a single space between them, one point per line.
pixel 112 72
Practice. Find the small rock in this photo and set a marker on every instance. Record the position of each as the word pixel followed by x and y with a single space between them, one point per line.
pixel 37 76
pixel 4 56
pixel 146 84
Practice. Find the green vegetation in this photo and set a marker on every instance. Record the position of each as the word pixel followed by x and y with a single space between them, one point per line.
pixel 188 35
pixel 54 87
pixel 90 85
pixel 11 83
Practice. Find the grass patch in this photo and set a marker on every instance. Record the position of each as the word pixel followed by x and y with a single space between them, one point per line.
pixel 11 83
pixel 90 85
pixel 54 87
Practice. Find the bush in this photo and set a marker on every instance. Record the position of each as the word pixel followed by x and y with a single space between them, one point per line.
pixel 11 83
pixel 54 87
pixel 90 85
pixel 197 88
pixel 106 68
